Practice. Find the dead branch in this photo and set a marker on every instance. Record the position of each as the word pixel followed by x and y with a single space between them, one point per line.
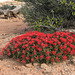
pixel 7 13
pixel 49 27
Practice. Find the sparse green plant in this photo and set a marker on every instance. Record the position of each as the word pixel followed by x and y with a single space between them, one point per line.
pixel 34 10
pixel 48 25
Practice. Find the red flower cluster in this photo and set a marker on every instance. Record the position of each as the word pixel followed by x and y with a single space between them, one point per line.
pixel 36 46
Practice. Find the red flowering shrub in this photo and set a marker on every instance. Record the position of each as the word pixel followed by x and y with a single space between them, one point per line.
pixel 40 47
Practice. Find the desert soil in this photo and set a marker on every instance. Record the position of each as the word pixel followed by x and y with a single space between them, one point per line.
pixel 12 27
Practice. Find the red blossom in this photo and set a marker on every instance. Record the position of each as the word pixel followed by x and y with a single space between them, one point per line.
pixel 36 57
pixel 16 45
pixel 46 45
pixel 34 51
pixel 52 60
pixel 8 50
pixel 68 43
pixel 57 59
pixel 27 58
pixel 20 43
pixel 59 43
pixel 50 42
pixel 55 49
pixel 32 59
pixel 27 49
pixel 65 52
pixel 47 53
pixel 18 49
pixel 61 47
pixel 33 46
pixel 24 42
pixel 42 44
pixel 40 49
pixel 23 56
pixel 64 47
pixel 23 46
pixel 13 52
pixel 18 60
pixel 41 56
pixel 68 49
pixel 47 57
pixel 70 40
pixel 73 51
pixel 23 51
pixel 53 52
pixel 64 57
pixel 50 46
pixel 8 53
pixel 1 53
pixel 23 61
pixel 72 46
pixel 54 44
pixel 26 45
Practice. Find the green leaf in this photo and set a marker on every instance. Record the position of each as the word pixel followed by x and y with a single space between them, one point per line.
pixel 73 7
pixel 52 11
pixel 73 13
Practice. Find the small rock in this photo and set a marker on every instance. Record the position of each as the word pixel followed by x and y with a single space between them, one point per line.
pixel 8 66
pixel 44 66
pixel 73 60
pixel 36 65
pixel 1 58
pixel 65 69
pixel 17 67
pixel 3 37
pixel 53 70
pixel 38 68
pixel 29 65
pixel 14 68
pixel 47 73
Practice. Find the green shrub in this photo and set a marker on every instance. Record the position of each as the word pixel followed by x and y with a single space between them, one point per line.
pixel 34 10
pixel 48 25
pixel 40 47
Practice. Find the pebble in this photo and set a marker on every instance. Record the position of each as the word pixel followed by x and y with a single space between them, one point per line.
pixel 44 66
pixel 29 65
pixel 3 36
pixel 73 60
pixel 15 67
pixel 1 58
pixel 38 68
pixel 65 69
pixel 36 65
pixel 8 66
pixel 53 70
